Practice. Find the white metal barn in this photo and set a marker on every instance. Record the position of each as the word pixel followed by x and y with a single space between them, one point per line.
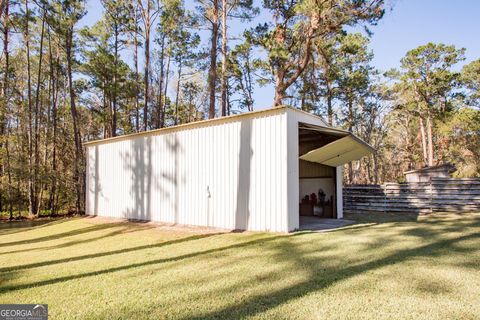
pixel 246 171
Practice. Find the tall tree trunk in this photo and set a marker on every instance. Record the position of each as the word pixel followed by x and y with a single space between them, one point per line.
pixel 105 110
pixel 114 80
pixel 224 57
pixel 54 74
pixel 165 89
pixel 9 174
pixel 328 84
pixel 229 103
pixel 249 84
pixel 212 74
pixel 350 129
pixel 279 89
pixel 137 80
pixel 37 115
pixel 31 183
pixel 329 104
pixel 303 95
pixel 147 67
pixel 350 116
pixel 110 114
pixel 430 141
pixel 368 165
pixel 78 162
pixel 282 82
pixel 424 142
pixel 161 105
pixel 178 90
pixel 4 107
pixel 53 190
pixel 375 168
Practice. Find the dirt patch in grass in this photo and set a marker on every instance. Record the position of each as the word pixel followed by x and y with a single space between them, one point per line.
pixel 161 226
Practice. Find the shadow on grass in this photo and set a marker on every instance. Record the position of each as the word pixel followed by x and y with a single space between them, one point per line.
pixel 104 254
pixel 57 236
pixel 382 217
pixel 366 220
pixel 76 242
pixel 326 277
pixel 128 226
pixel 12 227
pixel 140 264
pixel 320 275
pixel 320 272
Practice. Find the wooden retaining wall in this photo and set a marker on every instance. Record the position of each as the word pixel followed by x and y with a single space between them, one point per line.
pixel 440 194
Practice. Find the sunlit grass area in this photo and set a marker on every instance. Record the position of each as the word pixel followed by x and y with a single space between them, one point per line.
pixel 385 266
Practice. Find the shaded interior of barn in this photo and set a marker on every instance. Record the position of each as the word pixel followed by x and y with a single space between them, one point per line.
pixel 317 181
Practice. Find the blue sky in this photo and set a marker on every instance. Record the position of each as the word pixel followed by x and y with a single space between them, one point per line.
pixel 409 24
pixel 412 23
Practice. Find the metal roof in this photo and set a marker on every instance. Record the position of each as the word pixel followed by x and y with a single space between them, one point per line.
pixel 200 123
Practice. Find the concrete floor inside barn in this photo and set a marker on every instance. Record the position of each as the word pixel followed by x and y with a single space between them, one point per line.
pixel 322 224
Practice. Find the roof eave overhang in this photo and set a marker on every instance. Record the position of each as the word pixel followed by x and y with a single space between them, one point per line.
pixel 346 149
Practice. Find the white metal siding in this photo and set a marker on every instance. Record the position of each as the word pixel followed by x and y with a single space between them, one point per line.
pixel 228 174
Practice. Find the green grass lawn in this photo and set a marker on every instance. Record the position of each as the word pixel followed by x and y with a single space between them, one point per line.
pixel 385 266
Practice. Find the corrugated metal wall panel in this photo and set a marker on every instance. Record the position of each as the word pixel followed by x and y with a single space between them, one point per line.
pixel 314 170
pixel 228 175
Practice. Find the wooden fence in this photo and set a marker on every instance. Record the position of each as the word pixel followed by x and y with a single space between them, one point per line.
pixel 440 194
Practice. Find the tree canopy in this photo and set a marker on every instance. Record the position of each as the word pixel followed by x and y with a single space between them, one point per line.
pixel 155 63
